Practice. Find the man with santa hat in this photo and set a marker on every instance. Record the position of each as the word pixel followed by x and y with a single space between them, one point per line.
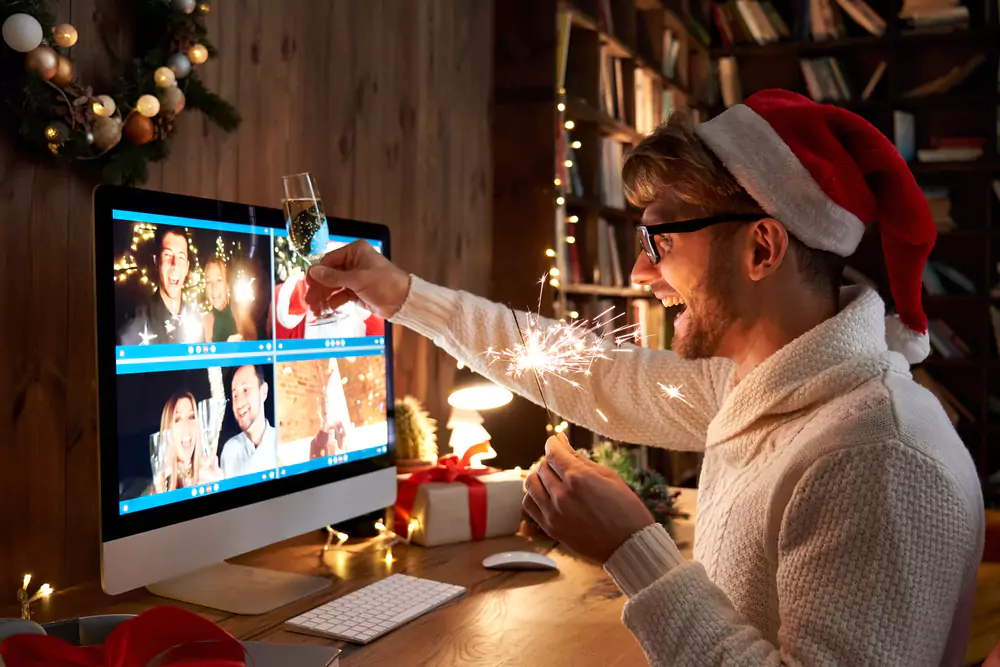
pixel 840 518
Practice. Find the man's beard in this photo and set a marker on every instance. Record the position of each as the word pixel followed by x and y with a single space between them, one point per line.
pixel 709 312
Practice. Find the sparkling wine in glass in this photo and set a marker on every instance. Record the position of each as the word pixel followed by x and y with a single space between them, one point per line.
pixel 160 460
pixel 308 232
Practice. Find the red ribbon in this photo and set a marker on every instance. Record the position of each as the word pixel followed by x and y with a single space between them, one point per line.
pixel 449 469
pixel 168 635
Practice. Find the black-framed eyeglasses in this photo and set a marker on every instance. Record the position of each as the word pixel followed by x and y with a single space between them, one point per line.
pixel 648 232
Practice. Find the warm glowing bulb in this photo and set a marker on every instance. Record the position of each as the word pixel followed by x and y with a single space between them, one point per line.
pixel 571 239
pixel 64 35
pixel 410 527
pixel 554 272
pixel 197 54
pixel 558 181
pixel 380 526
pixel 148 106
pixel 204 8
pixel 517 470
pixel 550 252
pixel 341 537
pixel 568 163
pixel 164 77
pixel 577 144
pixel 460 365
pixel 51 133
pixel 104 106
pixel 574 314
pixel 45 590
pixel 560 201
pixel 554 282
pixel 27 580
pixel 388 557
pixel 570 125
pixel 561 106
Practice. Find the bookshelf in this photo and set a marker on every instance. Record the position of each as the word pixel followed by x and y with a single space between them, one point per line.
pixel 970 108
pixel 528 99
pixel 658 64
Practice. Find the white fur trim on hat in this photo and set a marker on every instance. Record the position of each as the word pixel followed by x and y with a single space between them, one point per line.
pixel 766 167
pixel 913 345
pixel 286 318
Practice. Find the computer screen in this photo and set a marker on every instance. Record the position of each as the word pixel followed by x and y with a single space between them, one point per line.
pixel 228 389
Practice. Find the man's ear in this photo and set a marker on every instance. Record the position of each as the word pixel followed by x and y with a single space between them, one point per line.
pixel 769 242
pixel 263 392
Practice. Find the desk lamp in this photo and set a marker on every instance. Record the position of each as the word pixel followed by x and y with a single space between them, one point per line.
pixel 473 393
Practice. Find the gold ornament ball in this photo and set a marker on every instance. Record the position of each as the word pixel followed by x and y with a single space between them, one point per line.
pixel 171 102
pixel 197 54
pixel 138 129
pixel 56 132
pixel 107 133
pixel 65 35
pixel 43 61
pixel 65 72
pixel 148 106
pixel 104 106
pixel 164 77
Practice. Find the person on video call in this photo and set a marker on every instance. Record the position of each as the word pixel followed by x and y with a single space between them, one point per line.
pixel 165 317
pixel 225 322
pixel 255 448
pixel 840 517
pixel 188 465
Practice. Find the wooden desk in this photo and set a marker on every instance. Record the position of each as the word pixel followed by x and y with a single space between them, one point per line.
pixel 568 617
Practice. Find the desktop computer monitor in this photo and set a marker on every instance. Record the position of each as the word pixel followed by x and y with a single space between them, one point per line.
pixel 231 415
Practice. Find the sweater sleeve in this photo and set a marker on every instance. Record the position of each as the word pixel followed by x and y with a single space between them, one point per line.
pixel 874 549
pixel 624 388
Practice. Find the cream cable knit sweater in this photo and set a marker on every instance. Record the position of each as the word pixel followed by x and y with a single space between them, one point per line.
pixel 840 519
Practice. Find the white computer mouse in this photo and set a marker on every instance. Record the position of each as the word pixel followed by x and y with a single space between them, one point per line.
pixel 519 560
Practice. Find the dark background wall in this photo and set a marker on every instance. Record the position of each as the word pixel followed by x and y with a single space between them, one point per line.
pixel 386 102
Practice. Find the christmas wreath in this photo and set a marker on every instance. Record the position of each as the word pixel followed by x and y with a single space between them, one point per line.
pixel 126 123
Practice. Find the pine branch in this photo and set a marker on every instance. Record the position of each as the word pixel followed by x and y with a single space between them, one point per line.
pixel 216 109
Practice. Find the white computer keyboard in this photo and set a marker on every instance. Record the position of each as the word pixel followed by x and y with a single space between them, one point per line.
pixel 370 612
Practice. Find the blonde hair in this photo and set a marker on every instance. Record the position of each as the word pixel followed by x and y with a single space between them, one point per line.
pixel 166 425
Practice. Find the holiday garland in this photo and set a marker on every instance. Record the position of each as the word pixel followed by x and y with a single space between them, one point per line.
pixel 129 122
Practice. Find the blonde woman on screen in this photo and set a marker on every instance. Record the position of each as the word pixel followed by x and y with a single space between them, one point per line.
pixel 190 466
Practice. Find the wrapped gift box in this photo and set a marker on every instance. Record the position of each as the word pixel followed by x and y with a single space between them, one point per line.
pixel 446 513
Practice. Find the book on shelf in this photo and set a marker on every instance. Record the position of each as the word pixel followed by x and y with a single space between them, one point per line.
pixel 608 324
pixel 617 277
pixel 938 277
pixel 671 52
pixel 612 94
pixel 945 341
pixel 934 14
pixel 904 135
pixel 995 323
pixel 601 274
pixel 825 79
pixel 874 80
pixel 729 80
pixel 939 202
pixel 863 15
pixel 755 21
pixel 646 111
pixel 565 26
pixel 952 406
pixel 619 91
pixel 651 324
pixel 605 18
pixel 956 154
pixel 612 191
pixel 948 80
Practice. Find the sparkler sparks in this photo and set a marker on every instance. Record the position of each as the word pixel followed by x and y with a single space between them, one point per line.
pixel 673 391
pixel 601 414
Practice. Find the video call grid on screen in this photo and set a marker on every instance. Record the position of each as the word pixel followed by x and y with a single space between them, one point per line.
pixel 225 378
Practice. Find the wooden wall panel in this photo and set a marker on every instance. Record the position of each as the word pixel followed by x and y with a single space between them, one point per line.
pixel 387 102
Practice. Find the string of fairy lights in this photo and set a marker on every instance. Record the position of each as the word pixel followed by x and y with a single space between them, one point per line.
pixel 127 268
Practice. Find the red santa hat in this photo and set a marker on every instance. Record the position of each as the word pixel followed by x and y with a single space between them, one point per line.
pixel 825 173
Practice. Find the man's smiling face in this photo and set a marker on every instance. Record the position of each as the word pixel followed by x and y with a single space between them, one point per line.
pixel 174 264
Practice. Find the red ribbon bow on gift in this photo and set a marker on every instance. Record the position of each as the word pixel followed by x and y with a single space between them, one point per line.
pixel 162 636
pixel 449 469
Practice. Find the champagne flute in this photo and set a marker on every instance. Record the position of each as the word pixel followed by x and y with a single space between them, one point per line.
pixel 160 460
pixel 308 231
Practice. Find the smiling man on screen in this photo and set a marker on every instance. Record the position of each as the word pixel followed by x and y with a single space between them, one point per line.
pixel 840 519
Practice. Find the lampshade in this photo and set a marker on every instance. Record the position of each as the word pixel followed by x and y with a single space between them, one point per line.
pixel 474 392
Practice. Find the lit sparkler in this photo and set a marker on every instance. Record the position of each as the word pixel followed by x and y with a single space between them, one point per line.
pixel 673 391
